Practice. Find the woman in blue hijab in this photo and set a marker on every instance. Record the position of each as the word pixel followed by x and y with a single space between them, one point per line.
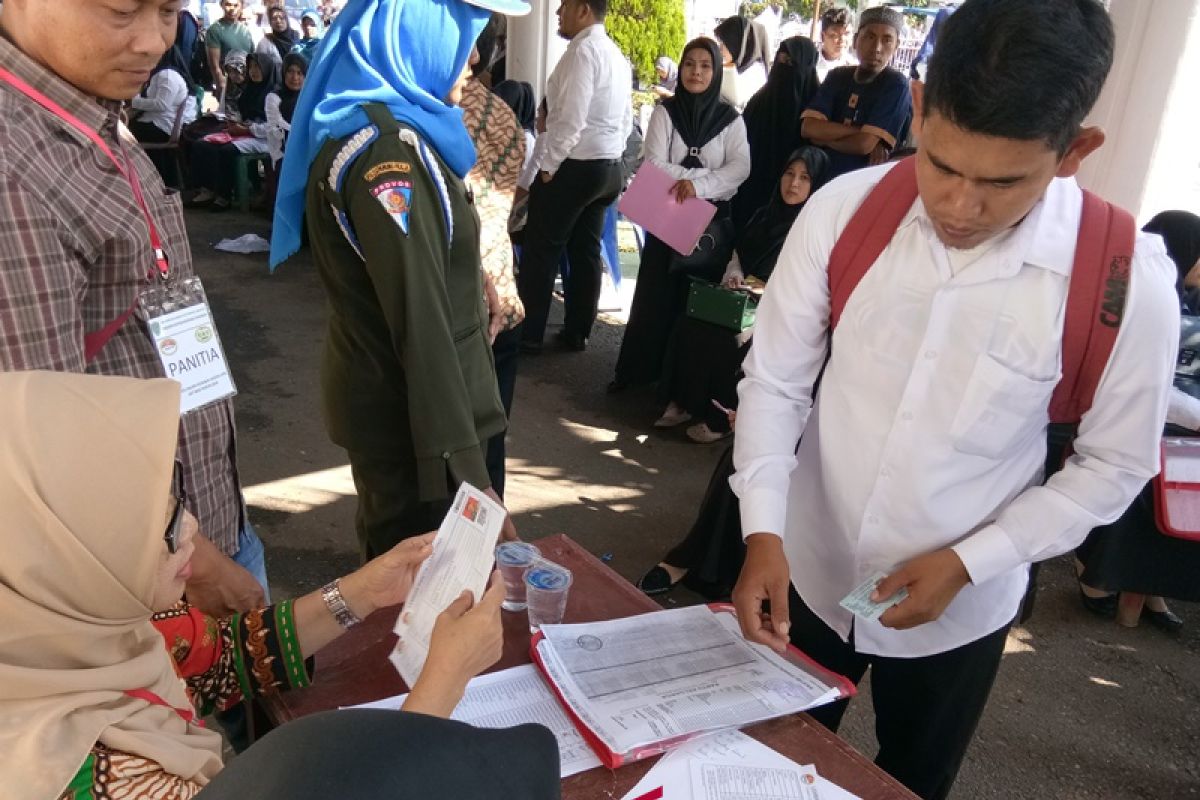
pixel 375 165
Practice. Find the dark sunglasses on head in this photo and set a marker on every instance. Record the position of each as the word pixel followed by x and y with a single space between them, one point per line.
pixel 175 526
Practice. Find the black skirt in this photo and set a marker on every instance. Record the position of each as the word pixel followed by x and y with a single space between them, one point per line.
pixel 1131 555
pixel 713 550
pixel 703 364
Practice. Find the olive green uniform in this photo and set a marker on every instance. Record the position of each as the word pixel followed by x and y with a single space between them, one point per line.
pixel 407 379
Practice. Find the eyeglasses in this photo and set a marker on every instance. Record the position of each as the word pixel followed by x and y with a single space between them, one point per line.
pixel 175 526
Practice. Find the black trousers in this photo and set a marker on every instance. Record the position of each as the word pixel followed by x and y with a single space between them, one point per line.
pixel 926 709
pixel 505 350
pixel 567 212
pixel 165 161
pixel 389 508
pixel 214 167
pixel 362 754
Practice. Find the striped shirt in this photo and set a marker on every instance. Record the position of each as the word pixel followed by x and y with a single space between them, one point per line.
pixel 75 250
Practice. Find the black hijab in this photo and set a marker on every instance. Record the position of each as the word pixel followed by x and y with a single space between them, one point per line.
pixel 175 58
pixel 698 118
pixel 518 95
pixel 288 97
pixel 252 104
pixel 284 42
pixel 745 41
pixel 760 242
pixel 773 122
pixel 1180 231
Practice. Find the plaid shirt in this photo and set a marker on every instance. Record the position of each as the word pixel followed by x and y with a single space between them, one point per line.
pixel 75 250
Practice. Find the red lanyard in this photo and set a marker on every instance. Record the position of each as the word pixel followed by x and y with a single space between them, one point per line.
pixel 127 170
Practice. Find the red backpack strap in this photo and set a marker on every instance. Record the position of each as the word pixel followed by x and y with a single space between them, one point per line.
pixel 1095 305
pixel 868 233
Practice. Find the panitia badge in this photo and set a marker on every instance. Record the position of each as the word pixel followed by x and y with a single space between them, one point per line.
pixel 396 199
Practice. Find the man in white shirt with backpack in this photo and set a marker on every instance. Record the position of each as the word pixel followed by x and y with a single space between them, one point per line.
pixel 944 315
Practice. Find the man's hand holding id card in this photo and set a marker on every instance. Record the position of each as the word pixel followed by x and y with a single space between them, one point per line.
pixel 859 601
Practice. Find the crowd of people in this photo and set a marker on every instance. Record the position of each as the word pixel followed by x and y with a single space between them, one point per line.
pixel 440 202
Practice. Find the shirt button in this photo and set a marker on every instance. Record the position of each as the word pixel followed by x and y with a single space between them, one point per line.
pixel 872 519
pixel 906 416
pixel 885 473
pixel 446 456
pixel 931 354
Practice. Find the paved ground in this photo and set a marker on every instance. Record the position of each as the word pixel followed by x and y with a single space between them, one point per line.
pixel 1082 708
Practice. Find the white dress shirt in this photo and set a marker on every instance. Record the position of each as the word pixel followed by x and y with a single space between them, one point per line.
pixel 738 87
pixel 726 157
pixel 929 428
pixel 588 97
pixel 824 65
pixel 165 93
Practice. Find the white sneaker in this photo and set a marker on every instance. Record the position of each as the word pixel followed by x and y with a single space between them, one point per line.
pixel 674 415
pixel 702 434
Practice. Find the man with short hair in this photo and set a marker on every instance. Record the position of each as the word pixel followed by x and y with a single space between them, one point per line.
pixel 923 452
pixel 75 248
pixel 859 113
pixel 226 34
pixel 833 53
pixel 589 120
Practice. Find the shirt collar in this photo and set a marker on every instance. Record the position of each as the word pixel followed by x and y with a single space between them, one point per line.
pixel 92 111
pixel 1054 220
pixel 590 31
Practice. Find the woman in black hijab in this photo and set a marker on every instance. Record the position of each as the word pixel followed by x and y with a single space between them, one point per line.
pixel 282 37
pixel 772 122
pixel 703 366
pixel 1180 231
pixel 518 95
pixel 214 164
pixel 701 141
pixel 1132 555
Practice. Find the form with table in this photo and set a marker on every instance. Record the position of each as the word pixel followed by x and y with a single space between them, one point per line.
pixel 355 670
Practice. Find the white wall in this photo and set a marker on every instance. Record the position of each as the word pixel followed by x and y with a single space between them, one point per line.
pixel 534 46
pixel 1149 109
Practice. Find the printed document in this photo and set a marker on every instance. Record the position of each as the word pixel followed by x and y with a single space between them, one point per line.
pixel 514 697
pixel 463 554
pixel 667 675
pixel 738 757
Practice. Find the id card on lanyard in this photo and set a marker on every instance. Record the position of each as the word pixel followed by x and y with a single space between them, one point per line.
pixel 178 318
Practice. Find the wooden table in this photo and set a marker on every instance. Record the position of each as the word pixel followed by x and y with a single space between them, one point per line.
pixel 354 669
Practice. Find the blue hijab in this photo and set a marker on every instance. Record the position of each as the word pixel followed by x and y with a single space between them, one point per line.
pixel 405 54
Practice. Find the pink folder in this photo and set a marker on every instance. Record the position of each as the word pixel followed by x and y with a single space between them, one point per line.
pixel 648 202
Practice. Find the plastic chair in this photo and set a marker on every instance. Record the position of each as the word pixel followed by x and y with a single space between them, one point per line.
pixel 246 162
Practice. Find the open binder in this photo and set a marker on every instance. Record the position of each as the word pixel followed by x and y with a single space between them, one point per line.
pixel 638 686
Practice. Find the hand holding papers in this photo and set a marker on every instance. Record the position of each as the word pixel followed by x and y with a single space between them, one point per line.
pixel 642 684
pixel 461 561
pixel 650 203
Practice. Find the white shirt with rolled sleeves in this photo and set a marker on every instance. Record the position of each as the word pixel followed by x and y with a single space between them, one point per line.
pixel 588 99
pixel 726 157
pixel 929 428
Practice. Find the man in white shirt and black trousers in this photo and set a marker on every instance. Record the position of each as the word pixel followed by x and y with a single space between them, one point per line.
pixel 590 117
pixel 922 456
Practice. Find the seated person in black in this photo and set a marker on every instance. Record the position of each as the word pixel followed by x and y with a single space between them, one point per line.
pixel 860 113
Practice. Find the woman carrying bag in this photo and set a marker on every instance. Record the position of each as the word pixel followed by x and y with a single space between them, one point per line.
pixel 701 141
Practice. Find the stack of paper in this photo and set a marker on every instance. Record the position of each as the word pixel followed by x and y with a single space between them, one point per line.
pixel 732 766
pixel 514 697
pixel 643 684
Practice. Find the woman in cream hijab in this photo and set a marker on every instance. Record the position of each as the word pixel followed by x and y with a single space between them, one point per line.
pixel 88 690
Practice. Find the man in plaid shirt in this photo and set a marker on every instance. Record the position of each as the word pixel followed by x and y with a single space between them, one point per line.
pixel 75 248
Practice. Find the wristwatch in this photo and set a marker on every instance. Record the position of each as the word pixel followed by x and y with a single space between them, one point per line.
pixel 331 593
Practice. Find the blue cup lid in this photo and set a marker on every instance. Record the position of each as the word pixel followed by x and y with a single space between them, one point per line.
pixel 548 577
pixel 516 553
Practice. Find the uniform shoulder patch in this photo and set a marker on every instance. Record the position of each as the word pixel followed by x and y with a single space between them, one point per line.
pixel 384 167
pixel 396 198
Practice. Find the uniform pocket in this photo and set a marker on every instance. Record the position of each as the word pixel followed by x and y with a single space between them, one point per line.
pixel 1000 410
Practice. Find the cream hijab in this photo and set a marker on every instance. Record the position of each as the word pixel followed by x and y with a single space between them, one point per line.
pixel 85 473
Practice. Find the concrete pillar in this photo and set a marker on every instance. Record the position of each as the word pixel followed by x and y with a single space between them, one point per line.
pixel 534 46
pixel 1148 109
